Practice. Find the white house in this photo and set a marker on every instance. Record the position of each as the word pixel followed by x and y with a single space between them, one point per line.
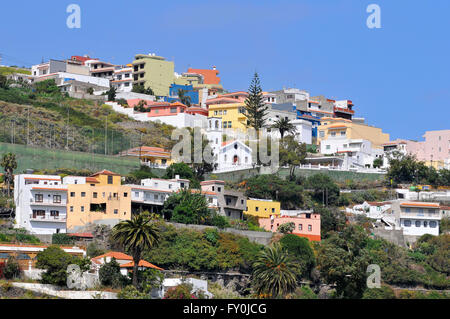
pixel 123 79
pixel 358 152
pixel 41 203
pixel 417 218
pixel 198 286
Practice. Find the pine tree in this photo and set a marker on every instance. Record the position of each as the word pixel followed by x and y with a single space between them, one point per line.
pixel 255 106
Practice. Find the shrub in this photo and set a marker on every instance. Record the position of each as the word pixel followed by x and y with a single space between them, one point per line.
pixel 182 291
pixel 130 292
pixel 62 239
pixel 12 269
pixel 299 250
pixel 384 292
pixel 55 261
pixel 286 228
pixel 109 274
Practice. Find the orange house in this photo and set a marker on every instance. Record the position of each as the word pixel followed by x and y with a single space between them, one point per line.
pixel 306 225
pixel 102 198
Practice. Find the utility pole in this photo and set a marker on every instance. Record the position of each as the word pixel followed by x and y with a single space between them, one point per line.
pixel 67 130
pixel 28 126
pixel 106 134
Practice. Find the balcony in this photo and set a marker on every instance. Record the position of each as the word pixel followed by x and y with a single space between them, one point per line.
pixel 47 218
pixel 47 203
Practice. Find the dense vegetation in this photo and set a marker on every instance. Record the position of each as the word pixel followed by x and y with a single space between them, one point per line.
pixel 209 250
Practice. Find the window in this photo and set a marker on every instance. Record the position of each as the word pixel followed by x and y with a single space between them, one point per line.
pixel 71 208
pixel 57 199
pixel 219 189
pixel 256 208
pixel 173 110
pixel 82 208
pixel 54 213
pixel 83 194
pixel 110 179
pixel 213 188
pixel 407 223
pixel 300 226
pixel 156 196
pixel 94 195
pixel 38 198
pixel 321 133
pixel 343 133
pixel 273 210
pixel 433 224
pixel 425 223
pixel 333 134
pixel 407 210
pixel 309 227
pixel 327 147
pixel 417 223
pixel 116 211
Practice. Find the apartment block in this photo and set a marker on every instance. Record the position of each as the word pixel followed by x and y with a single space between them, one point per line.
pixel 41 203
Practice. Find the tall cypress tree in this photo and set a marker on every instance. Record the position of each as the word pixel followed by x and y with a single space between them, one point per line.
pixel 255 106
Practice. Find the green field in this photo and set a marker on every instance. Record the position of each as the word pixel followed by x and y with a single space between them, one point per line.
pixel 41 159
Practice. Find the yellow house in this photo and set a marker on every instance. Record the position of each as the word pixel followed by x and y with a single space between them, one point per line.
pixel 100 198
pixel 232 115
pixel 339 127
pixel 262 207
pixel 152 156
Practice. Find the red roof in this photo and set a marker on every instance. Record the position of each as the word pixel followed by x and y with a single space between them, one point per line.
pixel 209 76
pixel 105 172
pixel 142 263
pixel 114 254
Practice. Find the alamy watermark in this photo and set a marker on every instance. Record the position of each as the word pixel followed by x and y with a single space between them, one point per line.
pixel 74 19
pixel 374 278
pixel 374 19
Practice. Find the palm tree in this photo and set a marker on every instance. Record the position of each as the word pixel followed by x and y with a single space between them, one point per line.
pixel 284 126
pixel 137 235
pixel 186 100
pixel 9 163
pixel 274 274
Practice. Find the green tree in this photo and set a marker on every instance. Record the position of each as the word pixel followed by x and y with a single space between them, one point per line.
pixel 12 269
pixel 111 94
pixel 292 154
pixel 286 228
pixel 3 82
pixel 284 125
pixel 342 260
pixel 254 105
pixel 378 162
pixel 136 235
pixel 90 91
pixel 9 164
pixel 300 252
pixel 181 169
pixel 184 99
pixel 325 190
pixel 55 261
pixel 274 274
pixel 47 87
pixel 188 207
pixel 142 90
pixel 109 274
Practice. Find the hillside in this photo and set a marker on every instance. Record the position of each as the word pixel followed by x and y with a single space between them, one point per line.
pixel 54 121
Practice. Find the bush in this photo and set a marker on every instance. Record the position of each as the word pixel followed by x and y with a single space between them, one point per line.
pixel 130 292
pixel 11 269
pixel 385 292
pixel 62 239
pixel 182 291
pixel 219 221
pixel 55 261
pixel 299 250
pixel 109 274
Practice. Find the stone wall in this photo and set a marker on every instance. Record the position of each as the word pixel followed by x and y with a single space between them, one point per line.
pixel 66 294
pixel 394 236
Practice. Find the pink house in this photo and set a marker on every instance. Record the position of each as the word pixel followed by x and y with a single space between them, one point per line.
pixel 306 225
pixel 436 146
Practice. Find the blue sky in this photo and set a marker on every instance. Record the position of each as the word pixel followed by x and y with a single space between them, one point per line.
pixel 398 76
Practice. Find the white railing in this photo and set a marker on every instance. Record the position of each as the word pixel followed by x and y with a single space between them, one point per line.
pixel 48 218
